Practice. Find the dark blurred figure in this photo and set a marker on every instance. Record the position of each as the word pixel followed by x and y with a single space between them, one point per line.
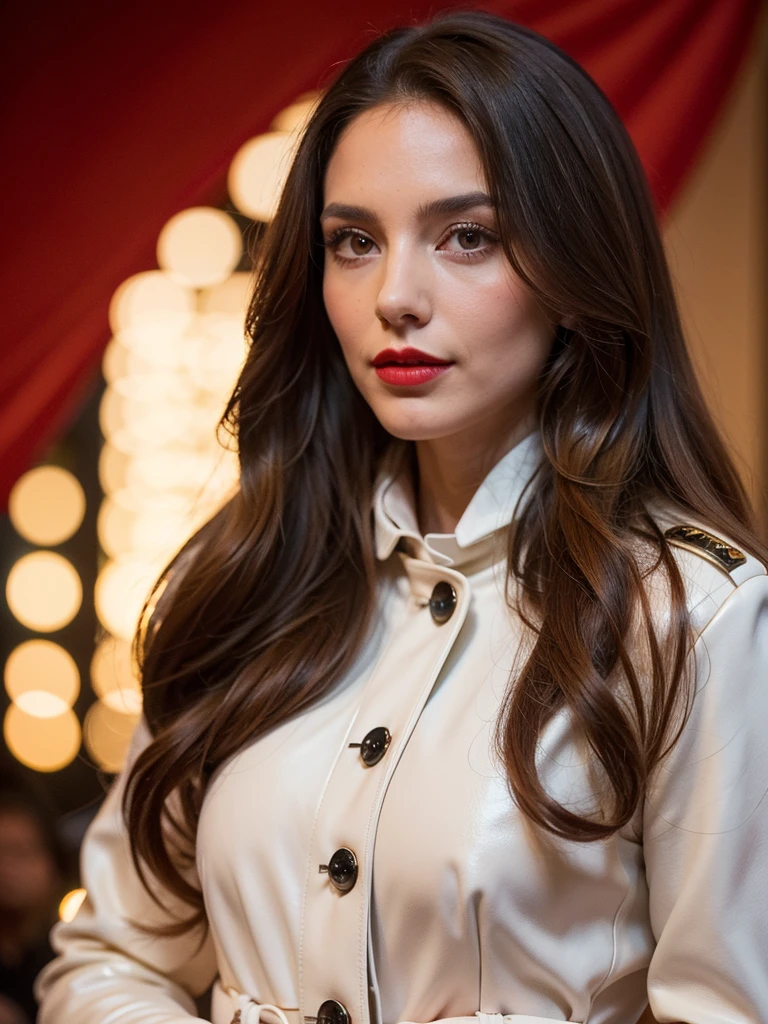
pixel 34 875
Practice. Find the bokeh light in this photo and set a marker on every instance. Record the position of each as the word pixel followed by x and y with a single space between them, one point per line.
pixel 44 591
pixel 111 415
pixel 114 677
pixel 107 735
pixel 41 704
pixel 115 526
pixel 200 246
pixel 258 172
pixel 113 468
pixel 116 361
pixel 139 414
pixel 42 678
pixel 215 362
pixel 169 469
pixel 150 308
pixel 45 744
pixel 295 116
pixel 178 346
pixel 47 505
pixel 71 903
pixel 122 587
pixel 228 299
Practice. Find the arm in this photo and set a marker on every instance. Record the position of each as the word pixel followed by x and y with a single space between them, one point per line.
pixel 108 970
pixel 706 830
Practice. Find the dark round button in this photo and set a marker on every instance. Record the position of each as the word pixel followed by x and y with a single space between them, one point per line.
pixel 342 869
pixel 442 602
pixel 332 1012
pixel 374 745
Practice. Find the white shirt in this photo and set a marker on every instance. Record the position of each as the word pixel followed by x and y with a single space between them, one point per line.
pixel 460 909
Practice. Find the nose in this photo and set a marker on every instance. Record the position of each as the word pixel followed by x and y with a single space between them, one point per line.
pixel 404 298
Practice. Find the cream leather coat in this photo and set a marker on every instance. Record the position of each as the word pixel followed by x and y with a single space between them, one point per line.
pixel 411 888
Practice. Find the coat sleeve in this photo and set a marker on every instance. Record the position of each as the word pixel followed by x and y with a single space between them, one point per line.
pixel 705 832
pixel 107 970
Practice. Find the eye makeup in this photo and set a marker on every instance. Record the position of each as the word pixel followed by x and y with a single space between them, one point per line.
pixel 335 239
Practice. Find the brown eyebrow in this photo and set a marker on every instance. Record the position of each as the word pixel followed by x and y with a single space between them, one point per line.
pixel 435 208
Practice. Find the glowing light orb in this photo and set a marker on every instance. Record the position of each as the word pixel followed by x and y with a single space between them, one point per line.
pixel 229 299
pixel 42 678
pixel 47 505
pixel 70 904
pixel 295 116
pixel 122 587
pixel 107 734
pixel 215 362
pixel 44 591
pixel 113 468
pixel 45 744
pixel 116 361
pixel 114 676
pixel 200 246
pixel 258 172
pixel 114 526
pixel 150 308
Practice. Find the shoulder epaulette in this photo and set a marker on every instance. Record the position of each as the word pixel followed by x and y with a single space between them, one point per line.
pixel 717 551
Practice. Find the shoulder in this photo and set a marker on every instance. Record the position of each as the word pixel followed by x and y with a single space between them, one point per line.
pixel 712 566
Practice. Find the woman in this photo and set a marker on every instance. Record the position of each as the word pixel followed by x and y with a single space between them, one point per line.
pixel 457 707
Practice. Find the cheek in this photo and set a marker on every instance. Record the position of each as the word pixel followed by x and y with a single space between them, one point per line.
pixel 509 340
pixel 344 308
pixel 504 326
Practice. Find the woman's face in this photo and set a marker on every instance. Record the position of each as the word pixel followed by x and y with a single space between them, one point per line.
pixel 398 274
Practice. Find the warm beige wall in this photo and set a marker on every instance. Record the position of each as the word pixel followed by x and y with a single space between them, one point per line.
pixel 716 242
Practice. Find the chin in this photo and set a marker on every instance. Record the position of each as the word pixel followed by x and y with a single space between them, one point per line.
pixel 409 429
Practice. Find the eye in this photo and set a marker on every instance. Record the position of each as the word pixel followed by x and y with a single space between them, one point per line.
pixel 359 244
pixel 470 237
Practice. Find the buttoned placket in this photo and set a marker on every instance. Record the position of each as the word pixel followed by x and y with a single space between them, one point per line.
pixel 333 944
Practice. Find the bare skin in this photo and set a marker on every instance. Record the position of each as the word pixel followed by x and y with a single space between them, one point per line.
pixel 440 283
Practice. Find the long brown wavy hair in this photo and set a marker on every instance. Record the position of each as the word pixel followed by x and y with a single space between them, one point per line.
pixel 268 604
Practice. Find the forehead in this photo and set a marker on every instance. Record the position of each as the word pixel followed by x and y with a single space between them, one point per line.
pixel 399 150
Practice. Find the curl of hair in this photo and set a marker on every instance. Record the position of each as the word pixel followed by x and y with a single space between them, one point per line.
pixel 269 603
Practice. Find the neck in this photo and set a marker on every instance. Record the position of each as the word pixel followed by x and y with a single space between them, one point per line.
pixel 450 469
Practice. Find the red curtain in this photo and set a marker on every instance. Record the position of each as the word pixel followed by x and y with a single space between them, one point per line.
pixel 118 115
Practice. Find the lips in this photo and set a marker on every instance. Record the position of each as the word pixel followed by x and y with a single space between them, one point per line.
pixel 400 374
pixel 407 357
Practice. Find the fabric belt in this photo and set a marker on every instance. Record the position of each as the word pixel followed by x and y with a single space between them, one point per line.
pixel 228 1006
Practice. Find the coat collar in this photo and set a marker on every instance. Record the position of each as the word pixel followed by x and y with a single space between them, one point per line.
pixel 491 508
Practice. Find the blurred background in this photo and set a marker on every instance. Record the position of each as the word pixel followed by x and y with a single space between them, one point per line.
pixel 145 146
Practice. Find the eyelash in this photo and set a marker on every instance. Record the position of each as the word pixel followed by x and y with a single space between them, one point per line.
pixel 470 255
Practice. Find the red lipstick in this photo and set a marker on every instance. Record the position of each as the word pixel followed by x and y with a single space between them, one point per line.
pixel 408 366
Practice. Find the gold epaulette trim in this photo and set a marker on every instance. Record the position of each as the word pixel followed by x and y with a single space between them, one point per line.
pixel 708 546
